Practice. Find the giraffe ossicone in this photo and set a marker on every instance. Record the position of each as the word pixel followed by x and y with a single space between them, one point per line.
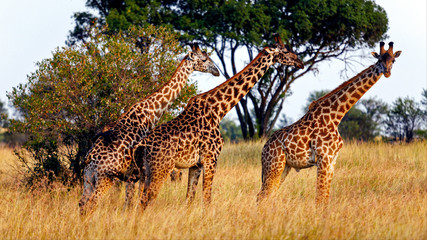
pixel 110 157
pixel 314 139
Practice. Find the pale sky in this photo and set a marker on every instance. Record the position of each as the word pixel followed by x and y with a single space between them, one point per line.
pixel 32 29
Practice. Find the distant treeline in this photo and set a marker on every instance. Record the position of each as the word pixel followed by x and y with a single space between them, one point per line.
pixel 370 119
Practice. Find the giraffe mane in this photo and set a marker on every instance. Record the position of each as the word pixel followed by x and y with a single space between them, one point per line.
pixel 343 85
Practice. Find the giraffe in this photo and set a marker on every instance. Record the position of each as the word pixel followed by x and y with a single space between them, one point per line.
pixel 192 140
pixel 314 139
pixel 110 156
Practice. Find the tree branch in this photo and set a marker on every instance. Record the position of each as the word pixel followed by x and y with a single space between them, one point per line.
pixel 220 53
pixel 233 53
pixel 242 121
pixel 270 126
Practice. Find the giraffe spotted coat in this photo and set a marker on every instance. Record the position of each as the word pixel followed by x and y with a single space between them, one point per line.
pixel 193 140
pixel 314 140
pixel 111 155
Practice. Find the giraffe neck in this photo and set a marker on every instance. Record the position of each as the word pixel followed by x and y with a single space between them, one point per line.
pixel 224 97
pixel 158 102
pixel 163 98
pixel 338 102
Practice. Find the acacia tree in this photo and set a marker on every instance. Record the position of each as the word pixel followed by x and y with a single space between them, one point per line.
pixel 80 89
pixel 319 30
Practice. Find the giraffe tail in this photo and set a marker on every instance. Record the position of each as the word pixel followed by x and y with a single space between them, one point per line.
pixel 262 175
pixel 138 145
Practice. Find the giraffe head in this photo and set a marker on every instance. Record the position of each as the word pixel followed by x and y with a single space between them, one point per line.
pixel 284 54
pixel 201 61
pixel 386 58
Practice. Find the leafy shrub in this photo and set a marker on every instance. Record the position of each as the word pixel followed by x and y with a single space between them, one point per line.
pixel 82 88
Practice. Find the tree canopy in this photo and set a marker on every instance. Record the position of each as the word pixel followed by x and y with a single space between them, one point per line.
pixel 318 30
pixel 80 89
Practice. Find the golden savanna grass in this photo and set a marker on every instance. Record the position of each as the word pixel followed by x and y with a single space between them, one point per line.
pixel 379 191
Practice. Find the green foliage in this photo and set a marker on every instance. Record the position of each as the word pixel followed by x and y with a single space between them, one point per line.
pixel 363 121
pixel 82 88
pixel 424 99
pixel 421 133
pixel 3 121
pixel 3 115
pixel 319 30
pixel 230 131
pixel 357 125
pixel 404 117
pixel 424 104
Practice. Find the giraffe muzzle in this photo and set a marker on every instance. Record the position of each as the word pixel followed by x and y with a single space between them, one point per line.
pixel 299 64
pixel 214 71
pixel 387 74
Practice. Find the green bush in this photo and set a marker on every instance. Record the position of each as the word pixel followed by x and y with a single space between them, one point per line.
pixel 82 88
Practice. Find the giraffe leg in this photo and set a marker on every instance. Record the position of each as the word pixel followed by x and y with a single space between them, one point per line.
pixel 208 174
pixel 130 189
pixel 132 176
pixel 142 184
pixel 193 179
pixel 88 186
pixel 130 192
pixel 89 182
pixel 153 183
pixel 103 184
pixel 274 170
pixel 325 172
pixel 156 175
pixel 141 188
pixel 157 167
pixel 176 175
pixel 272 180
pixel 209 162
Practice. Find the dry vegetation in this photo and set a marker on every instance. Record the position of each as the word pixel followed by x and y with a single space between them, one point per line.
pixel 379 192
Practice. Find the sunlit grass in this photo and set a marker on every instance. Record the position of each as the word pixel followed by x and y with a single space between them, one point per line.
pixel 379 191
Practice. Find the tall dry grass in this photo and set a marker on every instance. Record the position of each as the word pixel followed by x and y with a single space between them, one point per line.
pixel 379 191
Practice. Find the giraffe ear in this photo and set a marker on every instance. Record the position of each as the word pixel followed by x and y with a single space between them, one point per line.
pixel 397 54
pixel 190 56
pixel 376 55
